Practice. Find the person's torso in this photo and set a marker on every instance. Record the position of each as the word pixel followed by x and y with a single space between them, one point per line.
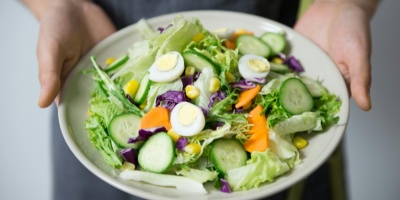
pixel 126 12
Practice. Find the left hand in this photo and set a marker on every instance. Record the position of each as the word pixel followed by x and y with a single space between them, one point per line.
pixel 343 31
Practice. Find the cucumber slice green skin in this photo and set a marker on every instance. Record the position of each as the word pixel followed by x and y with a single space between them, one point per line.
pixel 276 41
pixel 157 153
pixel 279 68
pixel 117 63
pixel 124 126
pixel 294 97
pixel 316 89
pixel 227 154
pixel 144 87
pixel 199 61
pixel 250 44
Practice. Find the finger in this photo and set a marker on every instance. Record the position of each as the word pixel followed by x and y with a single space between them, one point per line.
pixel 360 81
pixel 49 60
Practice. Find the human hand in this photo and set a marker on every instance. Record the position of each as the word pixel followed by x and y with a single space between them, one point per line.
pixel 342 29
pixel 68 29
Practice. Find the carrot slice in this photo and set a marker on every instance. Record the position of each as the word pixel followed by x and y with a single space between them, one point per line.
pixel 247 96
pixel 157 116
pixel 230 44
pixel 258 141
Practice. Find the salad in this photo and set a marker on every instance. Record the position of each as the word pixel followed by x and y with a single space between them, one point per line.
pixel 187 105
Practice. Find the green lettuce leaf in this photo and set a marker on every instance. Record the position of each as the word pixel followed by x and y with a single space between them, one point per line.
pixel 200 175
pixel 203 83
pixel 101 141
pixel 262 167
pixel 283 147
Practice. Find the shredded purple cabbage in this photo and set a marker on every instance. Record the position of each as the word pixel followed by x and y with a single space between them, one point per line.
pixel 216 125
pixel 196 75
pixel 294 64
pixel 259 80
pixel 181 143
pixel 238 110
pixel 215 97
pixel 144 134
pixel 187 80
pixel 170 99
pixel 162 29
pixel 130 155
pixel 282 56
pixel 205 110
pixel 129 98
pixel 225 186
pixel 243 84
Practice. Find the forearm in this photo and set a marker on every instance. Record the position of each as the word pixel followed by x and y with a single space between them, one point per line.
pixel 369 6
pixel 38 7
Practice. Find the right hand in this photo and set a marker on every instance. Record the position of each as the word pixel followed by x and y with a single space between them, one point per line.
pixel 67 31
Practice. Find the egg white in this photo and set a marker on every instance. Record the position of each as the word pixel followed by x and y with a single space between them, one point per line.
pixel 247 72
pixel 189 130
pixel 224 33
pixel 156 75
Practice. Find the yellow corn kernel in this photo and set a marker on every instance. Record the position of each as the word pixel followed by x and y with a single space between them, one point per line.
pixel 247 105
pixel 131 88
pixel 193 148
pixel 230 77
pixel 277 60
pixel 192 91
pixel 110 60
pixel 190 71
pixel 241 31
pixel 198 37
pixel 215 83
pixel 127 166
pixel 143 105
pixel 299 142
pixel 229 107
pixel 175 136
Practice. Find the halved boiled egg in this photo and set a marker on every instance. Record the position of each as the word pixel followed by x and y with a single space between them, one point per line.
pixel 167 67
pixel 187 119
pixel 253 67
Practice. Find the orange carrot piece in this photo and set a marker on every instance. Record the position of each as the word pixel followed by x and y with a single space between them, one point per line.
pixel 258 141
pixel 230 44
pixel 247 96
pixel 157 116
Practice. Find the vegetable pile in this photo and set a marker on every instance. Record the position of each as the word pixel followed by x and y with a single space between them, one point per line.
pixel 187 106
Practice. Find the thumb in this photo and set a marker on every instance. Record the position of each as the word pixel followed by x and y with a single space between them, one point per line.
pixel 50 61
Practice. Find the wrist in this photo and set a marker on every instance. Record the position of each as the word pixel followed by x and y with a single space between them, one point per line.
pixel 38 7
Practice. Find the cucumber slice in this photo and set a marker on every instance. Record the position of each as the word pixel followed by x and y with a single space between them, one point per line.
pixel 144 87
pixel 199 61
pixel 249 44
pixel 316 89
pixel 294 96
pixel 227 154
pixel 279 68
pixel 124 126
pixel 117 64
pixel 157 153
pixel 276 41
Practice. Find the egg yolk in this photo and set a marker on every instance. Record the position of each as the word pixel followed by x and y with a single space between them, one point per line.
pixel 258 65
pixel 187 114
pixel 166 62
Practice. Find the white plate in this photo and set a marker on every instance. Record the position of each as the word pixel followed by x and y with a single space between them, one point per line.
pixel 75 95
